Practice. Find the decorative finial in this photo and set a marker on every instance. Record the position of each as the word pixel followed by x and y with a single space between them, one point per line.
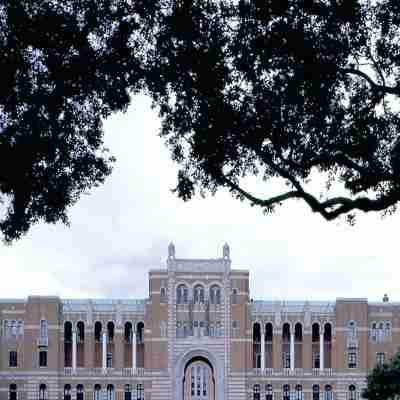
pixel 385 298
pixel 171 251
pixel 226 251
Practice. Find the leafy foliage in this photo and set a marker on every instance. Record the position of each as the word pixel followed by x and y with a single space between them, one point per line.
pixel 65 65
pixel 284 89
pixel 384 381
pixel 244 88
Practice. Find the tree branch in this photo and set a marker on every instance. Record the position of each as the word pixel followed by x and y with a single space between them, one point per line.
pixel 374 85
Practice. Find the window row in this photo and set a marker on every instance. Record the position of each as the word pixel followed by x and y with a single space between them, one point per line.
pixel 296 392
pixel 98 332
pixel 12 328
pixel 380 330
pixel 198 295
pixel 316 332
pixel 108 392
pixel 198 328
pixel 13 359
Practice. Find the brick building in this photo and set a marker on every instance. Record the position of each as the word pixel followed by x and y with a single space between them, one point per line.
pixel 197 336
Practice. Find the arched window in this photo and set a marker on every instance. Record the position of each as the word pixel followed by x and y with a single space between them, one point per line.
pixel 256 345
pixel 97 331
pixel 256 392
pixel 140 333
pixel 68 332
pixel 268 392
pixel 110 392
pixel 388 328
pixel 42 392
pixel 110 331
pixel 199 294
pixel 215 294
pixel 269 332
pixel 315 392
pixel 298 332
pixel 163 295
pixel 12 392
pixel 285 345
pixel 127 392
pixel 128 332
pixel 315 337
pixel 97 392
pixel 139 391
pixel 80 330
pixel 80 393
pixel 286 392
pixel 298 392
pixel 67 392
pixel 352 392
pixel 328 392
pixel 181 294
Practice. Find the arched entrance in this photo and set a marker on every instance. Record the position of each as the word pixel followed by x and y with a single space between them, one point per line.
pixel 198 380
pixel 210 371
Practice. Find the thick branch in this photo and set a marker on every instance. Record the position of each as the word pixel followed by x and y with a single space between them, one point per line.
pixel 374 85
pixel 329 209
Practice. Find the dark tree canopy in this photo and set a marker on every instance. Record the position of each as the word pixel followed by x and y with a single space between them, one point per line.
pixel 383 383
pixel 272 89
pixel 285 89
pixel 64 66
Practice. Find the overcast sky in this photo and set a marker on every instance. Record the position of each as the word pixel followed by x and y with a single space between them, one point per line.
pixel 122 229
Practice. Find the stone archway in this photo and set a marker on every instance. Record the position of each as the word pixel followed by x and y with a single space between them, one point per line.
pixel 215 368
pixel 198 380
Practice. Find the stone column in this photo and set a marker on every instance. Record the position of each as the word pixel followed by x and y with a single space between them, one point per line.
pixel 134 363
pixel 292 351
pixel 262 350
pixel 74 350
pixel 104 351
pixel 321 351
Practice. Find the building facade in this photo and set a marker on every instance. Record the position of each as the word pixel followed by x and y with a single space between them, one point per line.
pixel 198 336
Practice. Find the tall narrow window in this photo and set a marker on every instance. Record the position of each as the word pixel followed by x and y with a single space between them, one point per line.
pixel 380 358
pixel 97 392
pixel 256 392
pixel 286 345
pixel 97 331
pixel 140 333
pixel 256 345
pixel 298 392
pixel 12 392
pixel 268 392
pixel 315 392
pixel 139 391
pixel 109 360
pixel 181 294
pixel 269 335
pixel 42 392
pixel 127 392
pixel 80 393
pixel 286 392
pixel 68 344
pixel 110 392
pixel 67 392
pixel 13 359
pixel 199 294
pixel 43 329
pixel 42 358
pixel 128 332
pixel 110 331
pixel 215 294
pixel 352 329
pixel 352 393
pixel 315 345
pixel 80 328
pixel 328 392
